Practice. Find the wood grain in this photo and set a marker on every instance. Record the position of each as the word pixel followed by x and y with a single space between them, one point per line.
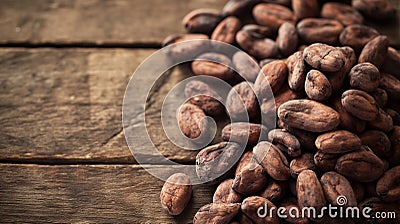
pixel 87 193
pixel 95 21
pixel 64 106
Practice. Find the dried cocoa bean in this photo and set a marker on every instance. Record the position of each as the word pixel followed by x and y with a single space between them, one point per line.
pixel 313 30
pixel 242 103
pixel 375 51
pixel 324 57
pixel 335 186
pixel 365 76
pixel 193 123
pixel 203 96
pixel 225 194
pixel 244 133
pixel 344 13
pixel 309 190
pixel 297 71
pixel 305 8
pixel 388 186
pixel 201 20
pixel 176 193
pixel 338 142
pixel 246 66
pixel 250 207
pixel 377 141
pixel 275 191
pixel 272 15
pixel 291 143
pixel 226 30
pixel 251 180
pixel 375 9
pixel 221 213
pixel 271 77
pixel 287 39
pixel 360 104
pixel 299 164
pixel 357 36
pixel 317 86
pixel 213 64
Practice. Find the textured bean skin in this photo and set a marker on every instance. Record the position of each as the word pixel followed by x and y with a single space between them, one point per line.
pixel 375 51
pixel 221 213
pixel 273 15
pixel 319 30
pixel 324 57
pixel 338 142
pixel 335 185
pixel 317 86
pixel 360 104
pixel 346 14
pixel 176 193
pixel 309 190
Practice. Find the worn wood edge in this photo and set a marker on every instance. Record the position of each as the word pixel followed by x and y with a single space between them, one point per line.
pixel 87 193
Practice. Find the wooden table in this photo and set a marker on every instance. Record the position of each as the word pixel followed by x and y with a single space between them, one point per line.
pixel 64 67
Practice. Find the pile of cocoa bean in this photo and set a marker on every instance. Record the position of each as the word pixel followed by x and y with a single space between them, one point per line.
pixel 336 99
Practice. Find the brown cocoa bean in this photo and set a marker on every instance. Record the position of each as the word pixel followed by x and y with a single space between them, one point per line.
pixel 221 213
pixel 361 166
pixel 271 77
pixel 325 161
pixel 242 103
pixel 253 40
pixel 319 30
pixel 306 138
pixel 238 7
pixel 375 9
pixel 308 115
pixel 245 66
pixel 203 96
pixel 394 157
pixel 348 121
pixel 388 186
pixel 193 123
pixel 251 180
pixel 297 71
pixel 215 161
pixel 251 208
pixel 291 143
pixel 247 157
pixel 287 39
pixel 225 194
pixel 356 36
pixel 382 122
pixel 336 186
pixel 365 76
pixel 309 191
pixel 290 204
pixel 201 20
pixel 226 30
pixel 187 50
pixel 380 97
pixel 377 141
pixel 344 13
pixel 176 193
pixel 337 78
pixel 244 133
pixel 272 160
pixel 299 164
pixel 213 64
pixel 275 191
pixel 324 57
pixel 317 86
pixel 391 85
pixel 360 104
pixel 359 190
pixel 391 64
pixel 272 15
pixel 305 8
pixel 338 142
pixel 395 116
pixel 375 51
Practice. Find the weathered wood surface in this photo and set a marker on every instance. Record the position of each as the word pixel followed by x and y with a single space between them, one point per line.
pixel 121 22
pixel 64 106
pixel 87 193
pixel 95 21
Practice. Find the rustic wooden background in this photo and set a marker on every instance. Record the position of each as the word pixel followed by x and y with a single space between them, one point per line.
pixel 64 67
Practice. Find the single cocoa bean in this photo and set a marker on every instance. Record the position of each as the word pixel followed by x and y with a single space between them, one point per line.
pixel 317 86
pixel 338 142
pixel 391 85
pixel 365 76
pixel 382 122
pixel 251 208
pixel 324 57
pixel 275 191
pixel 361 166
pixel 336 186
pixel 287 39
pixel 246 66
pixel 375 9
pixel 313 30
pixel 251 180
pixel 272 160
pixel 271 77
pixel 380 97
pixel 213 64
pixel 226 30
pixel 176 193
pixel 247 157
pixel 201 20
pixel 391 64
pixel 242 103
pixel 225 194
pixel 309 191
pixel 305 8
pixel 337 78
pixel 308 115
pixel 377 141
pixel 356 36
pixel 203 96
pixel 360 104
pixel 189 49
pixel 375 51
pixel 291 143
pixel 215 161
pixel 304 162
pixel 348 121
pixel 221 213
pixel 297 69
pixel 344 13
pixel 193 123
pixel 325 161
pixel 388 186
pixel 272 15
pixel 244 133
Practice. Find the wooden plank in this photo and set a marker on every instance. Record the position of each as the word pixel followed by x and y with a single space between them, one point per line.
pixel 95 21
pixel 64 106
pixel 87 193
pixel 121 22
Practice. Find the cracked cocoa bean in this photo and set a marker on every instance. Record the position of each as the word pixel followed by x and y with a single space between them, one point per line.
pixel 221 213
pixel 176 193
pixel 324 57
pixel 225 194
pixel 365 76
